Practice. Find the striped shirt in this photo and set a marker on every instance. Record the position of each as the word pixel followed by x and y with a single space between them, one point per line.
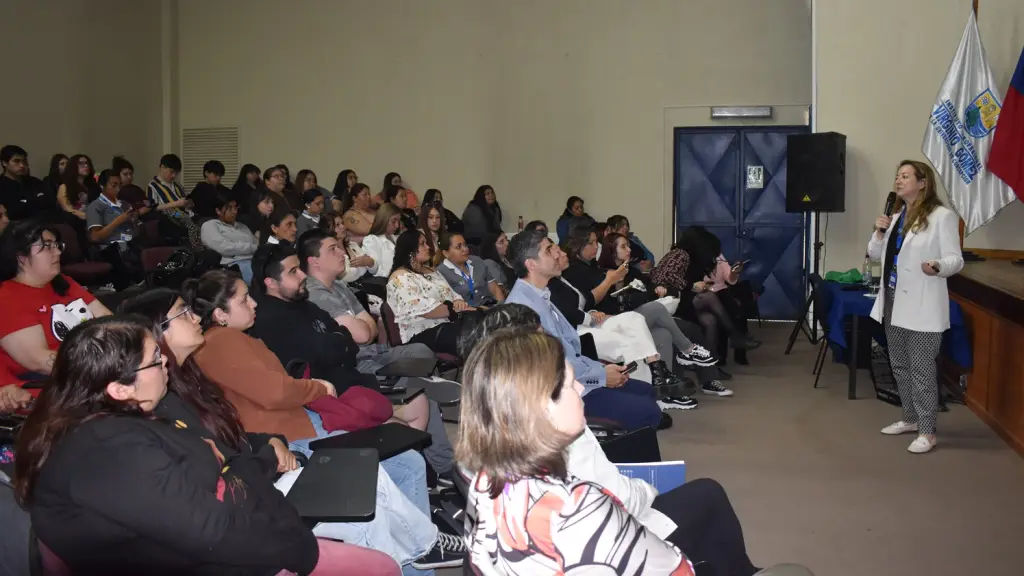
pixel 161 193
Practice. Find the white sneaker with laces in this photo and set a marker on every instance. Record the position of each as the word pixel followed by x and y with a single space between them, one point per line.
pixel 922 444
pixel 698 355
pixel 900 427
pixel 715 388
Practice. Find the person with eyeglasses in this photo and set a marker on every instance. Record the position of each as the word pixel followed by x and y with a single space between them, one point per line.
pixel 112 490
pixel 38 305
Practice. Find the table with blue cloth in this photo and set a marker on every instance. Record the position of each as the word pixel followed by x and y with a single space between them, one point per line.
pixel 956 344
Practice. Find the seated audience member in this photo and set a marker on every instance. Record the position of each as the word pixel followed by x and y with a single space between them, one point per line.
pixel 75 193
pixel 621 338
pixel 399 197
pixel 427 311
pixel 168 198
pixel 434 197
pixel 682 271
pixel 521 379
pixel 357 264
pixel 390 179
pixel 279 228
pixel 54 178
pixel 573 216
pixel 230 238
pixel 246 187
pixel 322 259
pixel 640 257
pixel 469 276
pixel 261 208
pixel 17 193
pixel 536 226
pixel 596 285
pixel 482 216
pixel 96 466
pixel 608 392
pixel 702 523
pixel 358 211
pixel 306 180
pixel 379 244
pixel 494 251
pixel 200 404
pixel 113 226
pixel 38 305
pixel 204 195
pixel 275 180
pixel 269 400
pixel 432 224
pixel 344 182
pixel 313 200
pixel 737 296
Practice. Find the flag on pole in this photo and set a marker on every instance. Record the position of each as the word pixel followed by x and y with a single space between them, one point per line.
pixel 958 138
pixel 1007 158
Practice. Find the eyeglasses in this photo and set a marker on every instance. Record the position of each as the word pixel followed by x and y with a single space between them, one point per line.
pixel 184 311
pixel 158 362
pixel 51 245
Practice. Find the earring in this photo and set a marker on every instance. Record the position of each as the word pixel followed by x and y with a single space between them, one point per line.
pixel 223 323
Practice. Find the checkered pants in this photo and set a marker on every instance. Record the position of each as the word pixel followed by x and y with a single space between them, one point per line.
pixel 912 355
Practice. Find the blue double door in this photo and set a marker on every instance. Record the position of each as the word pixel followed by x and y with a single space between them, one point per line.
pixel 732 181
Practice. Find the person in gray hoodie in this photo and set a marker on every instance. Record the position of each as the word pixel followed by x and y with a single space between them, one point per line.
pixel 230 238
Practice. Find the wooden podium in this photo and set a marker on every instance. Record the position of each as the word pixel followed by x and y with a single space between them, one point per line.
pixel 992 296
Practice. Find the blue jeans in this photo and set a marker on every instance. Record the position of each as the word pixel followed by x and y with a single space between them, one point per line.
pixel 402 527
pixel 245 267
pixel 633 405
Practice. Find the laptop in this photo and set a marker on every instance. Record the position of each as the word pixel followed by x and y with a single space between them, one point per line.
pixel 337 485
pixel 387 439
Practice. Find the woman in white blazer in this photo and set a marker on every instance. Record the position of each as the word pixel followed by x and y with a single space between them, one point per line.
pixel 379 244
pixel 919 247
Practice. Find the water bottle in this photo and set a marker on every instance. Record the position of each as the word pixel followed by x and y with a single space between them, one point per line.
pixel 867 270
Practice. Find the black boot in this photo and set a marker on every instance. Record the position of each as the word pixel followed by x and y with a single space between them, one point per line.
pixel 661 377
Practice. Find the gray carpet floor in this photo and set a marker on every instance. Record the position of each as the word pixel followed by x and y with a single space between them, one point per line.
pixel 814 482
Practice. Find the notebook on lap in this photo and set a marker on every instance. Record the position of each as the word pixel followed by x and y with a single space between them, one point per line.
pixel 337 485
pixel 388 439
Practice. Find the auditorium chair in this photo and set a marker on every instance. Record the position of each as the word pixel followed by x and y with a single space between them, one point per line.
pixel 72 259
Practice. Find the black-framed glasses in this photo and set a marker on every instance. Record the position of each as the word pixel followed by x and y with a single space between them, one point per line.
pixel 158 362
pixel 186 310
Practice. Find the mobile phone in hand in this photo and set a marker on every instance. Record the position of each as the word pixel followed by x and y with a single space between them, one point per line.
pixel 741 264
pixel 630 368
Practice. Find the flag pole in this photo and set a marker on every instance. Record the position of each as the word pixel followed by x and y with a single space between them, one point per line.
pixel 974 7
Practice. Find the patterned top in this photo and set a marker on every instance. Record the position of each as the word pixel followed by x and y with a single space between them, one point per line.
pixel 671 270
pixel 546 526
pixel 412 295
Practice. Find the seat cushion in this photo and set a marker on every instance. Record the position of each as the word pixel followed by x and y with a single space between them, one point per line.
pixel 87 272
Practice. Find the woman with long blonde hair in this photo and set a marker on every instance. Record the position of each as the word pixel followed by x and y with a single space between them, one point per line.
pixel 919 247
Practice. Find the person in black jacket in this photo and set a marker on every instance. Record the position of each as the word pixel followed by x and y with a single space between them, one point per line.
pixel 114 490
pixel 434 197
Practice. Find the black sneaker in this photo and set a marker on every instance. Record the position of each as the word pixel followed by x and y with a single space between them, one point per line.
pixel 677 403
pixel 715 388
pixel 698 356
pixel 448 552
pixel 666 422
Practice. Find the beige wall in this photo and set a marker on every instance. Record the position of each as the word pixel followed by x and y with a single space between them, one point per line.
pixel 540 98
pixel 879 65
pixel 82 76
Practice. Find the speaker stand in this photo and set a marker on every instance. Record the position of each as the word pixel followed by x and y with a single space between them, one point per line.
pixel 809 329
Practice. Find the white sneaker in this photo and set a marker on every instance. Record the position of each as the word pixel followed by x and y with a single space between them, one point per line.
pixel 922 444
pixel 900 427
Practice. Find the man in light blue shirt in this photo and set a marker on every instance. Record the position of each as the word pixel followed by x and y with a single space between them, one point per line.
pixel 607 392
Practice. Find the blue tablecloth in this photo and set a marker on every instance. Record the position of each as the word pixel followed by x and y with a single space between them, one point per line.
pixel 956 344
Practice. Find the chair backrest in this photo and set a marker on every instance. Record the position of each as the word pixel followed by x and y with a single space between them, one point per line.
pixel 72 251
pixel 153 257
pixel 388 317
pixel 822 299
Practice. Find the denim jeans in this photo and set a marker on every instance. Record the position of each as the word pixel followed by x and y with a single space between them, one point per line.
pixel 402 527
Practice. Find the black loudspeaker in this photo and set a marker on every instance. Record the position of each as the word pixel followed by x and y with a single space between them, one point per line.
pixel 816 172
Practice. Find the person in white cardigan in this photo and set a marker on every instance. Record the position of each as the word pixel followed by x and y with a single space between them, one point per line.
pixel 379 244
pixel 357 264
pixel 230 238
pixel 919 247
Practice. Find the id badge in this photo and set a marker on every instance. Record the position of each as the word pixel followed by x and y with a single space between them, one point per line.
pixel 892 280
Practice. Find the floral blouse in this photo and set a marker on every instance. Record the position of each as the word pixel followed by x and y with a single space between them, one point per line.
pixel 543 526
pixel 412 295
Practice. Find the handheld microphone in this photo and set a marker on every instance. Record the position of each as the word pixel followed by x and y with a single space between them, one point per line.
pixel 890 203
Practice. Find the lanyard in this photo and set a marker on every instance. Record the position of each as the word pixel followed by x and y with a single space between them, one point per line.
pixel 469 282
pixel 899 241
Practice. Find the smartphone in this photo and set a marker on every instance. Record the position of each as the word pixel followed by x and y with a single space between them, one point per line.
pixel 631 367
pixel 739 265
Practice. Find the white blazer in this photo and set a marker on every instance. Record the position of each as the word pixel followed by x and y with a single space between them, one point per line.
pixel 382 250
pixel 921 302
